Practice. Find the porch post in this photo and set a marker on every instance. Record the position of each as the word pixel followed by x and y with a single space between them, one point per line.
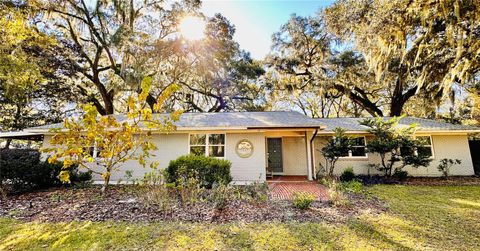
pixel 308 136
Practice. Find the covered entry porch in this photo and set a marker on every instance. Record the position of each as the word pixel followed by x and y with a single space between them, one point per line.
pixel 289 155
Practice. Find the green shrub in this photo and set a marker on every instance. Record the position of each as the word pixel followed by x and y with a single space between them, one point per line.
pixel 387 139
pixel 353 186
pixel 206 170
pixel 347 175
pixel 22 170
pixel 400 175
pixel 335 148
pixel 303 200
pixel 77 177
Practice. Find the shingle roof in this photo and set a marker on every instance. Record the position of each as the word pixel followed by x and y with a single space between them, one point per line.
pixel 247 119
pixel 283 119
pixel 274 119
pixel 353 124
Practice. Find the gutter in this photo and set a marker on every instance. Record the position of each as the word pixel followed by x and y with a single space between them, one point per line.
pixel 312 157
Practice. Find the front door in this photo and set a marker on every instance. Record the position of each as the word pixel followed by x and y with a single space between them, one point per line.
pixel 274 153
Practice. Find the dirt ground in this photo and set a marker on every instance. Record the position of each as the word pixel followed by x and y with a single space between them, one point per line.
pixel 124 204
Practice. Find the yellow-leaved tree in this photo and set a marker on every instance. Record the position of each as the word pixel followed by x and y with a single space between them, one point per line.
pixel 117 138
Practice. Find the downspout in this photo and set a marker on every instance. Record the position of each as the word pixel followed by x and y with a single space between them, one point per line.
pixel 312 157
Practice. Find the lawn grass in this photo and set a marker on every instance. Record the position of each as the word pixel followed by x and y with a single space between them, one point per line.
pixel 441 217
pixel 420 218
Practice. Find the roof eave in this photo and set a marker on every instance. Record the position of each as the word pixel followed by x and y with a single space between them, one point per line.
pixel 286 127
pixel 417 132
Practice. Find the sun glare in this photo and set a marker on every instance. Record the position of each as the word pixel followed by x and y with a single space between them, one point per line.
pixel 192 28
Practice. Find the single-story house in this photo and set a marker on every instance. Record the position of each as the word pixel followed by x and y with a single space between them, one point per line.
pixel 284 143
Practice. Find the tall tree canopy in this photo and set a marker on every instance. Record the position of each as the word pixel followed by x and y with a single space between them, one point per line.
pixel 32 92
pixel 412 46
pixel 222 77
pixel 354 58
pixel 109 42
pixel 112 45
pixel 214 73
pixel 307 70
pixel 298 63
pixel 386 57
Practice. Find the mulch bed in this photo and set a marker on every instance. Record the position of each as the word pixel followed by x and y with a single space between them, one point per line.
pixel 122 204
pixel 422 181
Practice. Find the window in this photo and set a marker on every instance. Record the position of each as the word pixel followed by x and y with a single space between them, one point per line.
pixel 216 145
pixel 345 152
pixel 425 148
pixel 98 152
pixel 198 144
pixel 358 148
pixel 93 151
pixel 212 145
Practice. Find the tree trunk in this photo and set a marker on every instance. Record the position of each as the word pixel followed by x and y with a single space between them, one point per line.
pixel 107 96
pixel 330 170
pixel 396 108
pixel 105 184
pixel 109 107
pixel 399 98
pixel 7 144
pixel 151 101
pixel 362 101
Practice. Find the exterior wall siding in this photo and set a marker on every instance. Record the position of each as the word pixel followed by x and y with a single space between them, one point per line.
pixel 246 169
pixel 444 146
pixel 294 156
pixel 172 146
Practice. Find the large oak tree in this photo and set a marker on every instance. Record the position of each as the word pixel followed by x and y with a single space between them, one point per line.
pixel 412 46
pixel 306 69
pixel 110 43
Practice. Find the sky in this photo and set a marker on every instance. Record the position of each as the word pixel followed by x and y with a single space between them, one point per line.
pixel 256 20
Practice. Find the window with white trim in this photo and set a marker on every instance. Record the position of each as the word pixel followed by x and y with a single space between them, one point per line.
pixel 425 147
pixel 358 148
pixel 212 145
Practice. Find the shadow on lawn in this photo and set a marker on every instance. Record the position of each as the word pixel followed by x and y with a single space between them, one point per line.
pixel 163 236
pixel 17 235
pixel 358 234
pixel 448 215
pixel 383 238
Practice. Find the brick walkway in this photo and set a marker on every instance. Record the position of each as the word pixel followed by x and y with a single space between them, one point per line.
pixel 284 190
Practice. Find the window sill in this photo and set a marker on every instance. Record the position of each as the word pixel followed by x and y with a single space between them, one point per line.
pixel 365 158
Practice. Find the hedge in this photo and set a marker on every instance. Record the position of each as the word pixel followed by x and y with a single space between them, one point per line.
pixel 23 170
pixel 206 170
